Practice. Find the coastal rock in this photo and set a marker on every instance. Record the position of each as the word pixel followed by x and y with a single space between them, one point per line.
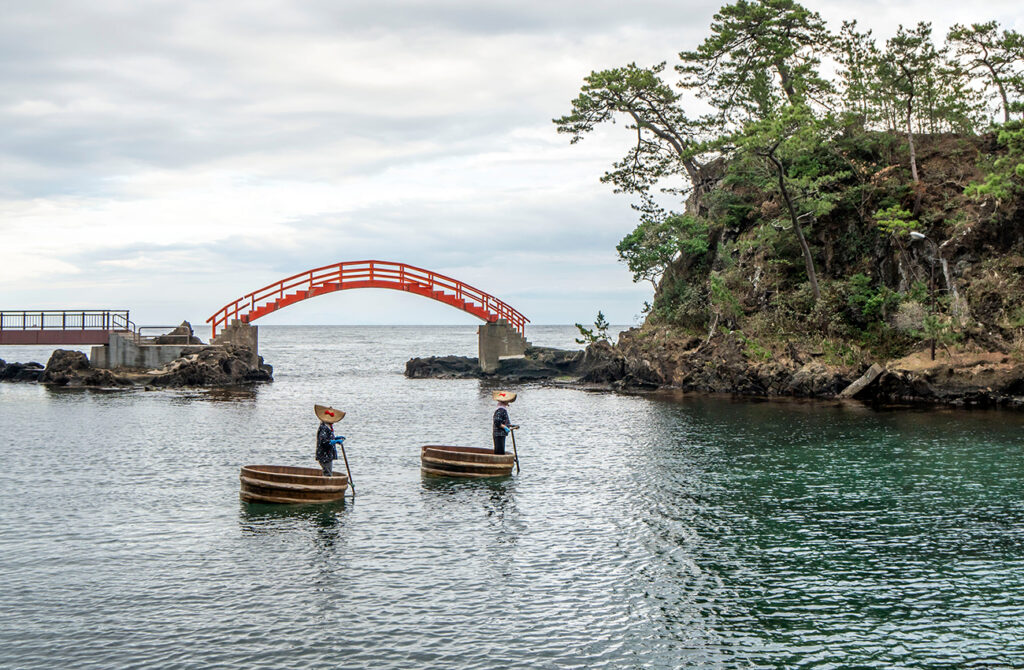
pixel 976 379
pixel 817 380
pixel 183 334
pixel 537 363
pixel 602 364
pixel 20 372
pixel 72 368
pixel 227 365
pixel 442 367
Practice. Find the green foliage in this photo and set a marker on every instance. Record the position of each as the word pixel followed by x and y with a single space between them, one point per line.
pixel 780 163
pixel 1005 179
pixel 752 348
pixel 998 58
pixel 939 328
pixel 723 300
pixel 662 129
pixel 651 246
pixel 871 303
pixel 683 304
pixel 895 221
pixel 598 333
pixel 838 352
pixel 760 56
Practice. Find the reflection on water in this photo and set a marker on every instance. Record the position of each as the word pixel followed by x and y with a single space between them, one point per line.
pixel 663 531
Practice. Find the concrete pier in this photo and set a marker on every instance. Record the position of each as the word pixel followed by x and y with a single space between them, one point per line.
pixel 498 340
pixel 122 351
pixel 129 351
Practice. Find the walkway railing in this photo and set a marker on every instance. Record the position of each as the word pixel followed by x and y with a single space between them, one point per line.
pixel 66 319
pixel 367 274
pixel 63 326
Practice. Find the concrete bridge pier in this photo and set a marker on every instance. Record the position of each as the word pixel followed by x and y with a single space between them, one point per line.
pixel 240 333
pixel 499 340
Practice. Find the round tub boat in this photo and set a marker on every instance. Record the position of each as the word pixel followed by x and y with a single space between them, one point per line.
pixel 444 461
pixel 287 484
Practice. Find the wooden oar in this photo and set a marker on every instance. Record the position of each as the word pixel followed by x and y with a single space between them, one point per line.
pixel 350 484
pixel 514 452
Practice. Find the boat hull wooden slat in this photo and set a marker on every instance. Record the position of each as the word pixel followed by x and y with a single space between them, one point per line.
pixel 446 461
pixel 289 485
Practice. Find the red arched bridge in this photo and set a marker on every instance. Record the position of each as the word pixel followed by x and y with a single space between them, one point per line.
pixel 367 274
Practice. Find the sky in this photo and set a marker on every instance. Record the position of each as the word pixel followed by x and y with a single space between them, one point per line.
pixel 168 157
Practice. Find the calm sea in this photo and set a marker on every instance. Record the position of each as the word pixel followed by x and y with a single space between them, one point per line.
pixel 642 532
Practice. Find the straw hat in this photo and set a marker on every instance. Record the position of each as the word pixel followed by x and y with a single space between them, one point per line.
pixel 328 414
pixel 504 396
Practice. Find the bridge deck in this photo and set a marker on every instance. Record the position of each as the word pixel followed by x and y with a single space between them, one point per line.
pixel 62 327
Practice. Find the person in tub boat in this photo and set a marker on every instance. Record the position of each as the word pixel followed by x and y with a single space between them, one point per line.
pixel 502 422
pixel 326 449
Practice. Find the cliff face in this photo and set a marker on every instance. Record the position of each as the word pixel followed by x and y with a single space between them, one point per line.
pixel 742 319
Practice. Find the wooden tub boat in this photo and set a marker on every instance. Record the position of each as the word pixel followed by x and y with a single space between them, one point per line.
pixel 286 484
pixel 444 461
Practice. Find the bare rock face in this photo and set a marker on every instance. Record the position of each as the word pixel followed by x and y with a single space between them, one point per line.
pixel 725 364
pixel 817 380
pixel 979 379
pixel 227 365
pixel 72 368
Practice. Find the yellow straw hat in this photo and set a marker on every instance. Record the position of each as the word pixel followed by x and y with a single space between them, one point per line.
pixel 504 396
pixel 328 414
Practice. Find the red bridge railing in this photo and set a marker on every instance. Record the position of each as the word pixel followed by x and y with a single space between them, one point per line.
pixel 366 274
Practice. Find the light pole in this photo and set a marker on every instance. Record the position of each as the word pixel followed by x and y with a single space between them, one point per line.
pixel 931 281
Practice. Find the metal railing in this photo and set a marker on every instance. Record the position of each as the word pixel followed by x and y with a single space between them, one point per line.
pixel 67 319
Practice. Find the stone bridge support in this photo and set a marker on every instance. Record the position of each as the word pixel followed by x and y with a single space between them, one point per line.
pixel 240 333
pixel 499 340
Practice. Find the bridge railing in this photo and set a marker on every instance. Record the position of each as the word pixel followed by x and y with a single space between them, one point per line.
pixel 66 319
pixel 371 274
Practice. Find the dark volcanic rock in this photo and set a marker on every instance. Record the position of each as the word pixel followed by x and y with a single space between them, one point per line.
pixel 227 365
pixel 537 363
pixel 442 367
pixel 979 379
pixel 183 334
pixel 71 368
pixel 602 364
pixel 20 372
pixel 560 361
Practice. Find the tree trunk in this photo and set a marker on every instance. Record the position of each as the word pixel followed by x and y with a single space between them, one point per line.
pixel 910 142
pixel 808 259
pixel 913 158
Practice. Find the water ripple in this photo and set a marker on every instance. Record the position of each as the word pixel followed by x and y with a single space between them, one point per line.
pixel 641 533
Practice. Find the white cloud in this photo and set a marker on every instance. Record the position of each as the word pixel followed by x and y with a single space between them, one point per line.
pixel 174 155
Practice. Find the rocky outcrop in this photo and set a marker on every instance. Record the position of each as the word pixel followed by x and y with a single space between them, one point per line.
pixel 974 379
pixel 20 372
pixel 183 334
pixel 71 368
pixel 197 366
pixel 227 365
pixel 537 363
pixel 442 367
pixel 727 363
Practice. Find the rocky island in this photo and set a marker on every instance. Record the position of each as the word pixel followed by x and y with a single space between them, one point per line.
pixel 195 365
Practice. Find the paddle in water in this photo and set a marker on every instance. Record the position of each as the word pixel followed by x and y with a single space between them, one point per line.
pixel 515 454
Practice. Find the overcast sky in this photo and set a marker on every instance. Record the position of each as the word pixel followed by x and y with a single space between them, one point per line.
pixel 168 157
